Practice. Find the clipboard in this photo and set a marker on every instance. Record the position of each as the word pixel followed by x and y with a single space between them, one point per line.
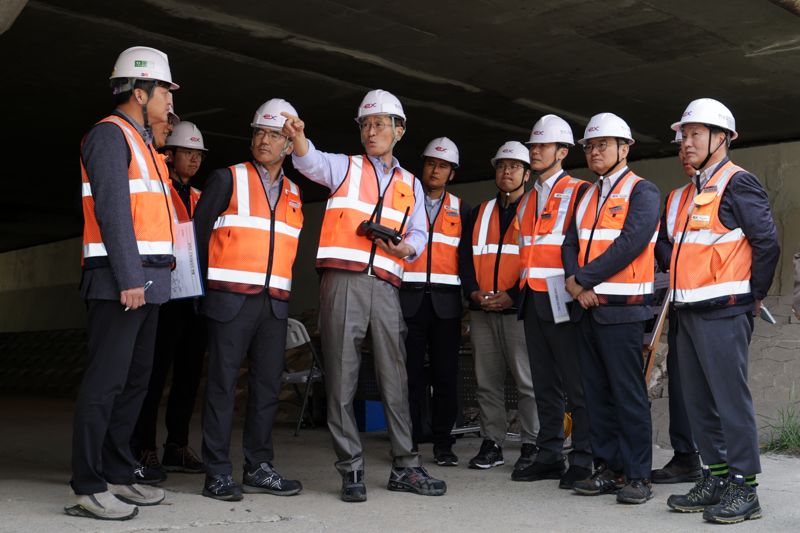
pixel 185 280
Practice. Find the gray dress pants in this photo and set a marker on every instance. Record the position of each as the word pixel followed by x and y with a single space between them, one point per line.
pixel 350 304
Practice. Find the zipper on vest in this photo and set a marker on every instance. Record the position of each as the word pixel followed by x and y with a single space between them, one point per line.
pixel 431 224
pixel 378 211
pixel 597 214
pixel 271 227
pixel 499 246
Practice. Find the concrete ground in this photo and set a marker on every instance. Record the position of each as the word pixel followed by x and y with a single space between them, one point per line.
pixel 34 470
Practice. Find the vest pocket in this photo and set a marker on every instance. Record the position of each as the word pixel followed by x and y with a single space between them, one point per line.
pixel 403 197
pixel 614 213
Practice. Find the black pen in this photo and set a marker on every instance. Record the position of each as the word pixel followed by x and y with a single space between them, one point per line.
pixel 146 286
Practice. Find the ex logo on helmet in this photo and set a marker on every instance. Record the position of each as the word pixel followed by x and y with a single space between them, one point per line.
pixel 593 128
pixel 194 139
pixel 370 105
pixel 440 149
pixel 267 116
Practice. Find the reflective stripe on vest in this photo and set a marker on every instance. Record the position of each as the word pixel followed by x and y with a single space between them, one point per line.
pixel 249 247
pixel 152 211
pixel 596 232
pixel 711 264
pixel 180 207
pixel 488 256
pixel 438 263
pixel 541 236
pixel 674 202
pixel 353 202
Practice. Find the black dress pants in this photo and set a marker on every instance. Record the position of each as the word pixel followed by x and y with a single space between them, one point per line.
pixel 111 394
pixel 440 339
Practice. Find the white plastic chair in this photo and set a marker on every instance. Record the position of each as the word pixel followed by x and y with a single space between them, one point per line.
pixel 296 336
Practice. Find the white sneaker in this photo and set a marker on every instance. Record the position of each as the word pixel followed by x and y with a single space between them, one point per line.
pixel 137 494
pixel 101 505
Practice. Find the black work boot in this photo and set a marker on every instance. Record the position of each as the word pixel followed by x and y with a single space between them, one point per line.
pixel 353 487
pixel 490 454
pixel 682 468
pixel 602 481
pixel 706 492
pixel 739 503
pixel 537 471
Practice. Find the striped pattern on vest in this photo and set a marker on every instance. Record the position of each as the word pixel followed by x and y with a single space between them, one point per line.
pixel 497 263
pixel 541 237
pixel 252 246
pixel 152 211
pixel 353 202
pixel 438 263
pixel 597 231
pixel 711 264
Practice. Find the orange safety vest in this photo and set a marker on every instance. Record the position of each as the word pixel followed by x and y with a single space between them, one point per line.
pixel 711 264
pixel 180 207
pixel 151 207
pixel 541 236
pixel 353 202
pixel 438 264
pixel 241 251
pixel 596 232
pixel 497 263
pixel 675 200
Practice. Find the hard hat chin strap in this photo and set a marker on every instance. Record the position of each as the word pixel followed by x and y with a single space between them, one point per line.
pixel 710 152
pixel 612 167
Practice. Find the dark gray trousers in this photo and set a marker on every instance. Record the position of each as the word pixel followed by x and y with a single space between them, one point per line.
pixel 712 356
pixel 553 350
pixel 111 394
pixel 254 333
pixel 680 432
pixel 351 303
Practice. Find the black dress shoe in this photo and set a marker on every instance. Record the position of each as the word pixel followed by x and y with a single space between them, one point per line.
pixel 537 471
pixel 682 468
pixel 573 475
pixel 222 487
pixel 353 487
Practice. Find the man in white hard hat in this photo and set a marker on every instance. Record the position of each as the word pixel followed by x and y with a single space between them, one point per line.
pixel 248 223
pixel 725 251
pixel 684 466
pixel 430 298
pixel 127 249
pixel 544 216
pixel 491 286
pixel 609 264
pixel 360 281
pixel 181 335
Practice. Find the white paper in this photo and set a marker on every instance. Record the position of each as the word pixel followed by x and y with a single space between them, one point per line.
pixel 557 290
pixel 186 282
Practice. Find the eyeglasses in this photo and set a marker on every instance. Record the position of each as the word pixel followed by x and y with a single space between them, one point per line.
pixel 601 147
pixel 272 136
pixel 378 125
pixel 190 153
pixel 511 167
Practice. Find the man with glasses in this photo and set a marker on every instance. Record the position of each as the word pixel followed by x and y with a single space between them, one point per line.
pixel 181 335
pixel 248 222
pixel 491 286
pixel 609 263
pixel 360 282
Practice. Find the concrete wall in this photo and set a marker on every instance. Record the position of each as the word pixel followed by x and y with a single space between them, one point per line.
pixel 38 285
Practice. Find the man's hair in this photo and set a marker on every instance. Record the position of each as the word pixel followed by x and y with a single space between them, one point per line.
pixel 146 85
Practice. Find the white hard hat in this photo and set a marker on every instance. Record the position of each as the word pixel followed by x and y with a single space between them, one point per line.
pixel 444 149
pixel 186 135
pixel 678 137
pixel 141 63
pixel 710 112
pixel 551 129
pixel 607 125
pixel 512 150
pixel 380 102
pixel 268 114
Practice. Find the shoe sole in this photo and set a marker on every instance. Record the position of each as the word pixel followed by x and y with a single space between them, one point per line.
pixel 354 498
pixel 250 489
pixel 752 515
pixel 447 463
pixel 79 510
pixel 227 498
pixel 138 503
pixel 634 501
pixel 585 492
pixel 687 510
pixel 151 482
pixel 537 477
pixel 486 467
pixel 401 487
pixel 687 478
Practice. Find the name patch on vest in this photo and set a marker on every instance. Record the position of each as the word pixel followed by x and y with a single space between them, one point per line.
pixel 294 203
pixel 565 194
pixel 619 195
pixel 701 218
pixel 615 209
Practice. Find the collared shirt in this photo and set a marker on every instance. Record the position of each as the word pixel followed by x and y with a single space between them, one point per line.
pixel 330 170
pixel 701 179
pixel 274 188
pixel 543 191
pixel 432 206
pixel 607 184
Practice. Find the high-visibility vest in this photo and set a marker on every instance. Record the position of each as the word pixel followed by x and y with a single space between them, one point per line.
pixel 253 246
pixel 711 264
pixel 496 261
pixel 151 206
pixel 596 231
pixel 438 263
pixel 353 202
pixel 541 236
pixel 675 200
pixel 180 207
